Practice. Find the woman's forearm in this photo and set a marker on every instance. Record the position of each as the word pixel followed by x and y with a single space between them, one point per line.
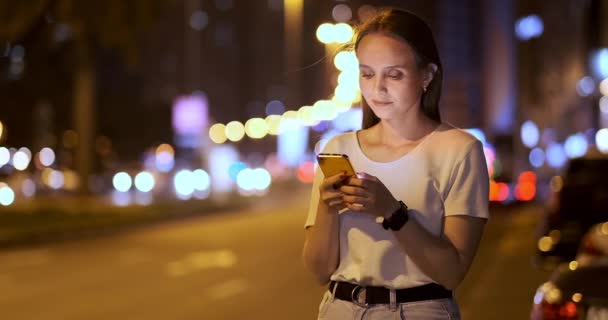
pixel 322 246
pixel 435 256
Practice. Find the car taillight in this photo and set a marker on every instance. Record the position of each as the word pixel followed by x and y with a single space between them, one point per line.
pixel 565 311
pixel 550 304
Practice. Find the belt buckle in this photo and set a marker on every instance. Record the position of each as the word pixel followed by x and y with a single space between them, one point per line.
pixel 358 296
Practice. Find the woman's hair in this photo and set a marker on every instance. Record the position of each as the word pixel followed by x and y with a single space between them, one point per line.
pixel 419 36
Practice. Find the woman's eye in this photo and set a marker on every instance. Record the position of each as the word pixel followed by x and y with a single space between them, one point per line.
pixel 395 75
pixel 367 75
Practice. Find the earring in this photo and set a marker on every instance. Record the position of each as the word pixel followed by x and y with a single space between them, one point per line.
pixel 424 88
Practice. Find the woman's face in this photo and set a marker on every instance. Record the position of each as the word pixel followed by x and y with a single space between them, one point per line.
pixel 390 80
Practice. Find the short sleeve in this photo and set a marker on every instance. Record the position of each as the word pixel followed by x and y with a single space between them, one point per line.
pixel 469 185
pixel 318 179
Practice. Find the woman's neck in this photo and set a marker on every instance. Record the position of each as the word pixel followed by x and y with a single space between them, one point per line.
pixel 404 131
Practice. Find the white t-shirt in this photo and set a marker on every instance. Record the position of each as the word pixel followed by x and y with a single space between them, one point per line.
pixel 446 174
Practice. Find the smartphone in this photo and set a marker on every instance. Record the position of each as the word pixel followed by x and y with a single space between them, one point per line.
pixel 334 163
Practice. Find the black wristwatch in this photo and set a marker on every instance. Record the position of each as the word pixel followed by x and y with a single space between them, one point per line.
pixel 397 220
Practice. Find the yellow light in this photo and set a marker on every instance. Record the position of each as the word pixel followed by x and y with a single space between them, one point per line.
pixel 343 33
pixel 325 110
pixel 545 244
pixel 346 94
pixel 165 148
pixel 346 61
pixel 291 114
pixel 70 180
pixel 306 114
pixel 577 297
pixel 604 87
pixel 554 295
pixel 217 133
pixel 573 265
pixel 273 122
pixel 235 131
pixel 325 33
pixel 256 128
pixel 604 228
pixel 1 129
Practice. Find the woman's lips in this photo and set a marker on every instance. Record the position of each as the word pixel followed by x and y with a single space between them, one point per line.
pixel 381 103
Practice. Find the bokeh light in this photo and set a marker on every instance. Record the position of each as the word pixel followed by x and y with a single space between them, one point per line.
pixel 144 181
pixel 529 134
pixel 7 195
pixel 325 33
pixel 235 131
pixel 529 27
pixel 56 179
pixel 256 128
pixel 604 87
pixel 5 156
pixel 306 172
pixel 47 157
pixel 556 156
pixel 537 157
pixel 576 145
pixel 601 140
pixel 585 87
pixel 21 160
pixel 217 133
pixel 201 180
pixel 183 184
pixel 342 13
pixel 343 33
pixel 122 181
pixel 28 188
pixel 346 61
pixel 165 157
pixel 273 122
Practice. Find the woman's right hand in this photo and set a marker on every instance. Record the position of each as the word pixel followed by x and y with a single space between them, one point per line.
pixel 330 191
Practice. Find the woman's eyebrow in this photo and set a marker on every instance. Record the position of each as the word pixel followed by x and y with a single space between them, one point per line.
pixel 401 66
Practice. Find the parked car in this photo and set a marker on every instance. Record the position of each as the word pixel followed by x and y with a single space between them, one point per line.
pixel 578 200
pixel 578 289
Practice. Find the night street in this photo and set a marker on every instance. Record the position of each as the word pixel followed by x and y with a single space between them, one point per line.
pixel 233 265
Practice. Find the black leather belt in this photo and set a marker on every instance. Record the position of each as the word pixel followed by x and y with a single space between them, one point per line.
pixel 363 295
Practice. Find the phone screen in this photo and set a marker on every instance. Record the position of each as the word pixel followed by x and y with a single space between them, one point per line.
pixel 333 163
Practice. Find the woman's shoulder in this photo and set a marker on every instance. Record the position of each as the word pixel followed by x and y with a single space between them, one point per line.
pixel 452 142
pixel 448 134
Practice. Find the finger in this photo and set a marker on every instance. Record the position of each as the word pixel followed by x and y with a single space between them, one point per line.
pixel 330 181
pixel 355 191
pixel 355 199
pixel 330 195
pixel 361 183
pixel 355 206
pixel 337 204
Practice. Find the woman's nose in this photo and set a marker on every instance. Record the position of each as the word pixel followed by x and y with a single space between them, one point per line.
pixel 379 85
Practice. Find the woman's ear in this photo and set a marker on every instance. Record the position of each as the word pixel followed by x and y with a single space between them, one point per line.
pixel 429 73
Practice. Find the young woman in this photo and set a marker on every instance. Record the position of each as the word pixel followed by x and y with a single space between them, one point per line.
pixel 395 240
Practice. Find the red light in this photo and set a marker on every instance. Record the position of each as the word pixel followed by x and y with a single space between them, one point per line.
pixel 525 191
pixel 567 311
pixel 527 176
pixel 306 172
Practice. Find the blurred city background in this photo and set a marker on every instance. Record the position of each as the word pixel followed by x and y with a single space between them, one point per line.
pixel 156 156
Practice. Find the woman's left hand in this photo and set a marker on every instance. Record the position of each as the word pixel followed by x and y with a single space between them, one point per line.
pixel 366 193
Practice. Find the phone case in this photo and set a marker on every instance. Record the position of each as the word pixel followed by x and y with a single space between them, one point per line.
pixel 334 163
